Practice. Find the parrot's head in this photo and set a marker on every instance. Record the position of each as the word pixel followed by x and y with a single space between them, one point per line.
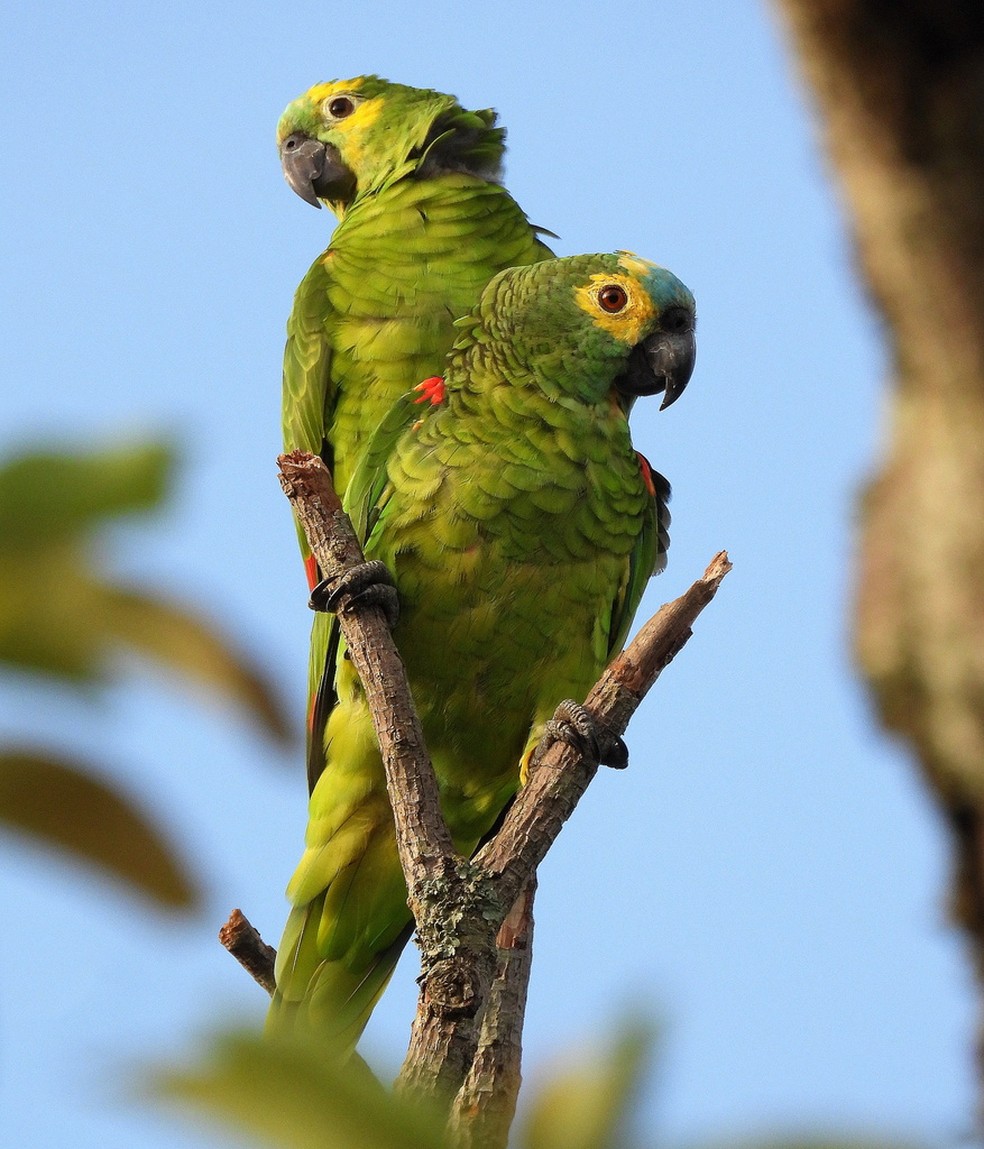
pixel 345 138
pixel 605 324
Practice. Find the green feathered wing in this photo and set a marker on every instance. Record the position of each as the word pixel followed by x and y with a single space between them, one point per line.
pixel 521 528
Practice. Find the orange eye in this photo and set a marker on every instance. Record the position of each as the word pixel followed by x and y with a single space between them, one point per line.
pixel 612 298
pixel 340 107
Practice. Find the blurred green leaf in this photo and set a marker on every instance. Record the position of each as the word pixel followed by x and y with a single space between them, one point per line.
pixel 61 803
pixel 60 616
pixel 279 1090
pixel 52 612
pixel 174 637
pixel 48 494
pixel 585 1105
pixel 283 1091
pixel 816 1141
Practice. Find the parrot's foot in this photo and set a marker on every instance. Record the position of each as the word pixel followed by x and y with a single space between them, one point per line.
pixel 574 725
pixel 365 584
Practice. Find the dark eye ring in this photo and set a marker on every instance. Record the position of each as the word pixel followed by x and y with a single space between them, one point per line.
pixel 340 107
pixel 612 298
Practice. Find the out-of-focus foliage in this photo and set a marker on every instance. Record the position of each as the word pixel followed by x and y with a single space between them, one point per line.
pixel 62 617
pixel 59 612
pixel 52 595
pixel 279 1091
pixel 817 1142
pixel 65 805
pixel 189 646
pixel 584 1104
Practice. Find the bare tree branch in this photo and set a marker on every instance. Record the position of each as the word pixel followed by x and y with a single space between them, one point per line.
pixel 466 1031
pixel 562 775
pixel 243 941
pixel 422 836
pixel 454 903
pixel 485 1104
pixel 442 1045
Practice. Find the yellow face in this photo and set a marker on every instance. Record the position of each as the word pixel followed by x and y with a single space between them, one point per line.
pixel 617 302
pixel 324 91
pixel 330 106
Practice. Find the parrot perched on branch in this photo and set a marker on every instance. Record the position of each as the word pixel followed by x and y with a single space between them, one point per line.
pixel 424 224
pixel 521 528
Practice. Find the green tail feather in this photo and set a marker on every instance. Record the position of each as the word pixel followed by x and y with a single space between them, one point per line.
pixel 339 1000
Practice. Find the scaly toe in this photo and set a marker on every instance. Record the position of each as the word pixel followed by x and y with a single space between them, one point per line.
pixel 367 583
pixel 573 724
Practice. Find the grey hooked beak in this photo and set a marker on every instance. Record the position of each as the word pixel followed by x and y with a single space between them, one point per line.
pixel 671 356
pixel 664 361
pixel 311 167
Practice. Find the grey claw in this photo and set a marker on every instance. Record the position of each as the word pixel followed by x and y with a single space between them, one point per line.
pixel 617 755
pixel 573 724
pixel 368 583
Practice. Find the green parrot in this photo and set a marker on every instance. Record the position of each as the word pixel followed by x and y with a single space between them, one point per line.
pixel 424 224
pixel 520 528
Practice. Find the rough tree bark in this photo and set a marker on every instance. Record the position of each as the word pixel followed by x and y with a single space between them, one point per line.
pixel 900 86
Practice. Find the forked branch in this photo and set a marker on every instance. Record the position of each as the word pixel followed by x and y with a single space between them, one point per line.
pixel 465 1040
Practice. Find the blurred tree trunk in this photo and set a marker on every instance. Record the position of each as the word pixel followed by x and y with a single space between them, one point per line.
pixel 900 87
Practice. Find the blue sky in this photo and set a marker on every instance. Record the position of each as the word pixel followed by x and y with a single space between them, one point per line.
pixel 767 878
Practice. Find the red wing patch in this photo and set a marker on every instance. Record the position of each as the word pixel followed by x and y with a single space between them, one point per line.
pixel 647 474
pixel 431 391
pixel 311 570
